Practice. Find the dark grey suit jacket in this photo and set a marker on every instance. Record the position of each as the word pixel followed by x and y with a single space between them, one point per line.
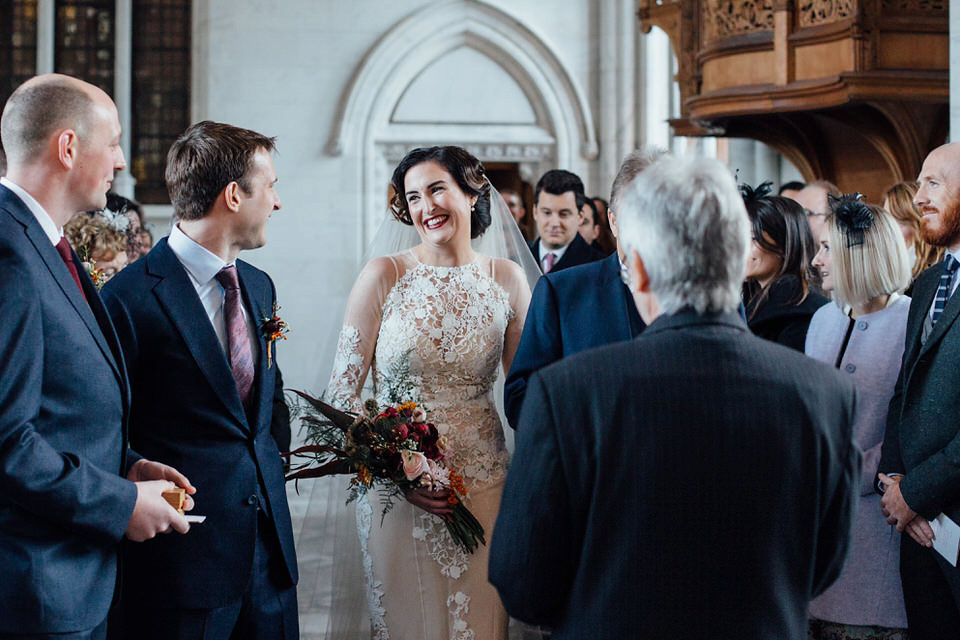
pixel 708 493
pixel 64 504
pixel 923 423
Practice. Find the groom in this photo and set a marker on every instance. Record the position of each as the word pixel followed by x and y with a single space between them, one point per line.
pixel 208 397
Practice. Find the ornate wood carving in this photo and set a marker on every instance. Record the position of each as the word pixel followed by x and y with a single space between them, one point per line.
pixel 816 12
pixel 831 104
pixel 725 18
pixel 915 7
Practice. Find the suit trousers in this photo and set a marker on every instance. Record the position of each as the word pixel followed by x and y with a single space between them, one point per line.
pixel 266 611
pixel 931 592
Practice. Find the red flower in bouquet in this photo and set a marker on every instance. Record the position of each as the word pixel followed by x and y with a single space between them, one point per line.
pixel 395 450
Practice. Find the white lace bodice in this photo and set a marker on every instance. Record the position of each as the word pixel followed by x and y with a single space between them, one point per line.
pixel 439 340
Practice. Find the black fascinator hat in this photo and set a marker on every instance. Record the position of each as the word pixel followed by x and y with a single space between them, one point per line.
pixel 853 216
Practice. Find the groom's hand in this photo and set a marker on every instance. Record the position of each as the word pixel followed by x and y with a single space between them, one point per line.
pixel 144 470
pixel 152 514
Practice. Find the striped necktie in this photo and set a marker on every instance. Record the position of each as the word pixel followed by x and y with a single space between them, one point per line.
pixel 943 291
pixel 240 354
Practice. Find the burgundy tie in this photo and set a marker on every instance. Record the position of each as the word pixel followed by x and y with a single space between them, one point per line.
pixel 548 261
pixel 64 250
pixel 240 356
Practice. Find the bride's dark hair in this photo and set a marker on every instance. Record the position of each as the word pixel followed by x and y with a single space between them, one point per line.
pixel 465 169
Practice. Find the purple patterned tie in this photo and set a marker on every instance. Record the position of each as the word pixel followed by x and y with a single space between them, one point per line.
pixel 548 262
pixel 238 339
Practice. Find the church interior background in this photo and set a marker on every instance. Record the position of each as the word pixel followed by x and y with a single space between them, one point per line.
pixel 349 86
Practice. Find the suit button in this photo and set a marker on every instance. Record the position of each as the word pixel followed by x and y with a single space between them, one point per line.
pixel 850 367
pixel 252 500
pixel 862 325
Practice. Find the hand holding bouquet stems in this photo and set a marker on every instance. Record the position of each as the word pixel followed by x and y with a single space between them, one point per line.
pixel 395 450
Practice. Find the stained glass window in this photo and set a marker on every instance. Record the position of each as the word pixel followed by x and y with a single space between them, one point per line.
pixel 161 90
pixel 18 44
pixel 84 36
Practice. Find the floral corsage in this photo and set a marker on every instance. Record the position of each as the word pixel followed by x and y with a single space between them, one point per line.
pixel 273 328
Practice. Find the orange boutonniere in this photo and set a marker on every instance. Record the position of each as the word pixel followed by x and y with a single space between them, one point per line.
pixel 272 329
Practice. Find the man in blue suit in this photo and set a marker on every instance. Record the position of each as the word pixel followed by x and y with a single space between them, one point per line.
pixel 703 484
pixel 207 395
pixel 578 308
pixel 69 487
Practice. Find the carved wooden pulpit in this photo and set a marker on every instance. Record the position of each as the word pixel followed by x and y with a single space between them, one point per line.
pixel 854 91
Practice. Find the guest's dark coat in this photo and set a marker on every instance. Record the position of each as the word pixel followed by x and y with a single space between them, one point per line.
pixel 578 252
pixel 64 504
pixel 708 493
pixel 779 318
pixel 186 412
pixel 570 311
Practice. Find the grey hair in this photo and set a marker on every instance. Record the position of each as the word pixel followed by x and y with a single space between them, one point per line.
pixel 634 162
pixel 686 220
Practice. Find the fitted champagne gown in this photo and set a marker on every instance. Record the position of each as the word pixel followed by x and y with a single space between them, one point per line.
pixel 437 335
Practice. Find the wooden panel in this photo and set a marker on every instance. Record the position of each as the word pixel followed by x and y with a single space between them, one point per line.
pixel 913 51
pixel 738 70
pixel 822 60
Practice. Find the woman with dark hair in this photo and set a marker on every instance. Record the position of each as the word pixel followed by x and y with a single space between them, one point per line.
pixel 437 320
pixel 777 293
pixel 863 262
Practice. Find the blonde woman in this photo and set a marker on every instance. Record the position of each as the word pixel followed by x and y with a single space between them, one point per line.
pixel 898 200
pixel 863 263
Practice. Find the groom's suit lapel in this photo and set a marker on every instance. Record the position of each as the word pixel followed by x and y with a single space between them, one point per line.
pixel 176 294
pixel 254 291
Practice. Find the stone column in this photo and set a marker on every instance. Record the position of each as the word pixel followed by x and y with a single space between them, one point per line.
pixel 617 102
pixel 46 35
pixel 124 181
pixel 954 70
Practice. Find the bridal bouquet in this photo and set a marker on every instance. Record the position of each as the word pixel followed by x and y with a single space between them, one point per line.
pixel 389 449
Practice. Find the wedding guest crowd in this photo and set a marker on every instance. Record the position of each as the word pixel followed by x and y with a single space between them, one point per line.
pixel 706 446
pixel 679 503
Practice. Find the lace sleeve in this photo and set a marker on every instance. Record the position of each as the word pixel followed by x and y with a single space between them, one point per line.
pixel 358 336
pixel 511 277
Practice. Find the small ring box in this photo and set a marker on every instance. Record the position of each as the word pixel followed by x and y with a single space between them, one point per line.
pixel 176 497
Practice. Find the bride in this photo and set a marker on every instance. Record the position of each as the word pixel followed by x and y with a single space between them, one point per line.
pixel 439 319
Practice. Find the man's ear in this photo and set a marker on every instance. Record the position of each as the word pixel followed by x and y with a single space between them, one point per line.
pixel 612 219
pixel 640 280
pixel 232 196
pixel 67 148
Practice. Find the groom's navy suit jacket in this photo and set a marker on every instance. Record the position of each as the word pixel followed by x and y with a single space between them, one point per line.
pixel 186 412
pixel 701 485
pixel 571 310
pixel 63 404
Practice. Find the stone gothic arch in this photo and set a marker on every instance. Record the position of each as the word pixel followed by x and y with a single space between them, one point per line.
pixel 561 132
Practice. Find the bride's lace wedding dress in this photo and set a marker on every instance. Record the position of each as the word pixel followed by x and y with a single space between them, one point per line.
pixel 439 333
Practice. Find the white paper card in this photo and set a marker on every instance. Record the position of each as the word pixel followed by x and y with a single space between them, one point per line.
pixel 946 537
pixel 195 519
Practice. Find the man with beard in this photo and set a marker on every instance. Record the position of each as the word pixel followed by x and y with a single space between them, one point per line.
pixel 920 464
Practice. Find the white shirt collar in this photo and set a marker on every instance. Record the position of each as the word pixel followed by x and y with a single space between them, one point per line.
pixel 200 263
pixel 557 252
pixel 46 222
